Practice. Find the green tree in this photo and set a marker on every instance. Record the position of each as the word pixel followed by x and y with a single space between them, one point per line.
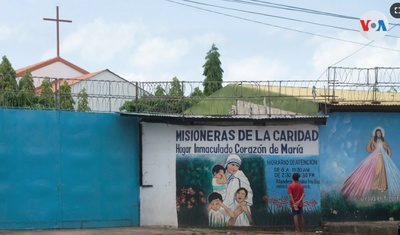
pixel 128 106
pixel 197 93
pixel 212 71
pixel 8 83
pixel 160 102
pixel 160 91
pixel 46 97
pixel 176 89
pixel 173 102
pixel 195 96
pixel 26 95
pixel 83 103
pixel 66 100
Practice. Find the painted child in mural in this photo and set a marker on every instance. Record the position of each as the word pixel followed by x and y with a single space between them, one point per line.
pixel 218 213
pixel 219 180
pixel 236 179
pixel 241 211
pixel 376 172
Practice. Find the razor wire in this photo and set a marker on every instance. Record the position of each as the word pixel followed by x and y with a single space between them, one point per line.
pixel 342 86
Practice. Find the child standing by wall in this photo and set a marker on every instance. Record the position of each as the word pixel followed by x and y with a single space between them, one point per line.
pixel 296 192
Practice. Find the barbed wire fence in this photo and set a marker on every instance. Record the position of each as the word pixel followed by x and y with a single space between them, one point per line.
pixel 379 85
pixel 342 86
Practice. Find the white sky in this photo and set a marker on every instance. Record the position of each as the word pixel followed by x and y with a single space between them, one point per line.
pixel 155 40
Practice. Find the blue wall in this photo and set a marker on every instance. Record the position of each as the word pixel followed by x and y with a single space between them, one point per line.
pixel 343 148
pixel 68 170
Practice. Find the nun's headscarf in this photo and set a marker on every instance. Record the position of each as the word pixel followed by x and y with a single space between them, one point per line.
pixel 233 158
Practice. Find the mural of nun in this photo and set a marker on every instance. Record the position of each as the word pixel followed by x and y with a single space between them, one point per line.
pixel 236 179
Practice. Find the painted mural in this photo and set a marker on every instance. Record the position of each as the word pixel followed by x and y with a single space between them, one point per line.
pixel 361 180
pixel 238 176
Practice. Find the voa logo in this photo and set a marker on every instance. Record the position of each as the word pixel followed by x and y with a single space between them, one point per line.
pixel 373 25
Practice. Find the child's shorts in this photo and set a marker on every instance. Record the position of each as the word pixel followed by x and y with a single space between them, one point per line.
pixel 298 212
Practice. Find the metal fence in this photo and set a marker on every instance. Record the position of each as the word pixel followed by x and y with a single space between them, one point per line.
pixel 364 85
pixel 378 86
pixel 237 98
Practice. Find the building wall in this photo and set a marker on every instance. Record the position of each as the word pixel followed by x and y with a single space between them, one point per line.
pixel 246 108
pixel 107 92
pixel 178 161
pixel 56 70
pixel 76 170
pixel 68 170
pixel 349 169
pixel 337 169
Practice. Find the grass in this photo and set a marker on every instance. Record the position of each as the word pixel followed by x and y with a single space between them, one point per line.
pixel 221 101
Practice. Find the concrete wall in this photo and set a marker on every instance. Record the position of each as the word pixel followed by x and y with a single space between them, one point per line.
pixel 349 168
pixel 68 170
pixel 177 171
pixel 178 174
pixel 243 108
pixel 73 170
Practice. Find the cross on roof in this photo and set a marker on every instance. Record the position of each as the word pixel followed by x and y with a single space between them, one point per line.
pixel 58 20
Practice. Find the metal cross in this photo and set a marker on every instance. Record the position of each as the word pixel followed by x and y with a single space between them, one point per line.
pixel 58 20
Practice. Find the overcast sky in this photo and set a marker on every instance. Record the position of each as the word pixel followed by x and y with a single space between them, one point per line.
pixel 155 40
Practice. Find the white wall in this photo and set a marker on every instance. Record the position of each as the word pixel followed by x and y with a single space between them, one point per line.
pixel 246 108
pixel 158 203
pixel 160 151
pixel 56 70
pixel 107 92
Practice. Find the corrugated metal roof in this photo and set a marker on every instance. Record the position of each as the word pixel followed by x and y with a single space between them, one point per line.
pixel 255 119
pixel 365 104
pixel 353 107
